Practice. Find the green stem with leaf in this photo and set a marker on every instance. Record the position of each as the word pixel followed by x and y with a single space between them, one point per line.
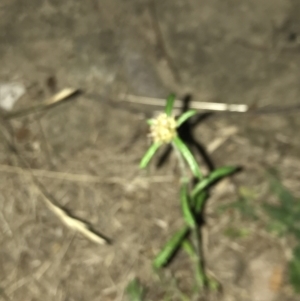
pixel 163 130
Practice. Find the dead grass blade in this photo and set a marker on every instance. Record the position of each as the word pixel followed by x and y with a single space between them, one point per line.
pixel 210 106
pixel 69 221
pixel 58 97
pixel 83 178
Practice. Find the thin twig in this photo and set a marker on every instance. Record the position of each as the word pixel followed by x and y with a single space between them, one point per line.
pixel 211 106
pixel 52 174
pixel 120 103
pixel 81 178
pixel 55 99
pixel 221 108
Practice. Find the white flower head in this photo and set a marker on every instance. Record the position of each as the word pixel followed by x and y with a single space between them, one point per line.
pixel 163 128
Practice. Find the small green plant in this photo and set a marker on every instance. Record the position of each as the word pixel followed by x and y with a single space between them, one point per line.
pixel 192 195
pixel 244 204
pixel 294 270
pixel 135 290
pixel 285 218
pixel 235 232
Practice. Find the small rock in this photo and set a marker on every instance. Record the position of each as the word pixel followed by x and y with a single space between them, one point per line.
pixel 9 94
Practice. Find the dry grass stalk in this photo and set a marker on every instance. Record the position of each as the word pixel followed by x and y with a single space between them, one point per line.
pixel 58 97
pixel 81 178
pixel 51 174
pixel 70 221
pixel 210 106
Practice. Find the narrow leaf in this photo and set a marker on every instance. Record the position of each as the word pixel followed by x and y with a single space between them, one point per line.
pixel 198 201
pixel 199 276
pixel 186 210
pixel 170 104
pixel 213 284
pixel 188 248
pixel 170 248
pixel 185 116
pixel 186 153
pixel 149 154
pixel 212 177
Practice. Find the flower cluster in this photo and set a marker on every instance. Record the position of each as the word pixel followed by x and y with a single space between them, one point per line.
pixel 163 128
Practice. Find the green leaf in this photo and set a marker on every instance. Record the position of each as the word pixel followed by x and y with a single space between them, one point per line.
pixel 213 284
pixel 281 214
pixel 187 155
pixel 212 177
pixel 244 205
pixel 170 104
pixel 294 270
pixel 170 248
pixel 149 154
pixel 198 201
pixel 278 228
pixel 284 216
pixel 188 248
pixel 233 232
pixel 296 232
pixel 186 210
pixel 185 116
pixel 135 291
pixel 200 276
pixel 285 197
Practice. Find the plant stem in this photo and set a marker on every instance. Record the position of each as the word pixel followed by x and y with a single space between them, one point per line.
pixel 200 273
pixel 184 175
pixel 196 237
